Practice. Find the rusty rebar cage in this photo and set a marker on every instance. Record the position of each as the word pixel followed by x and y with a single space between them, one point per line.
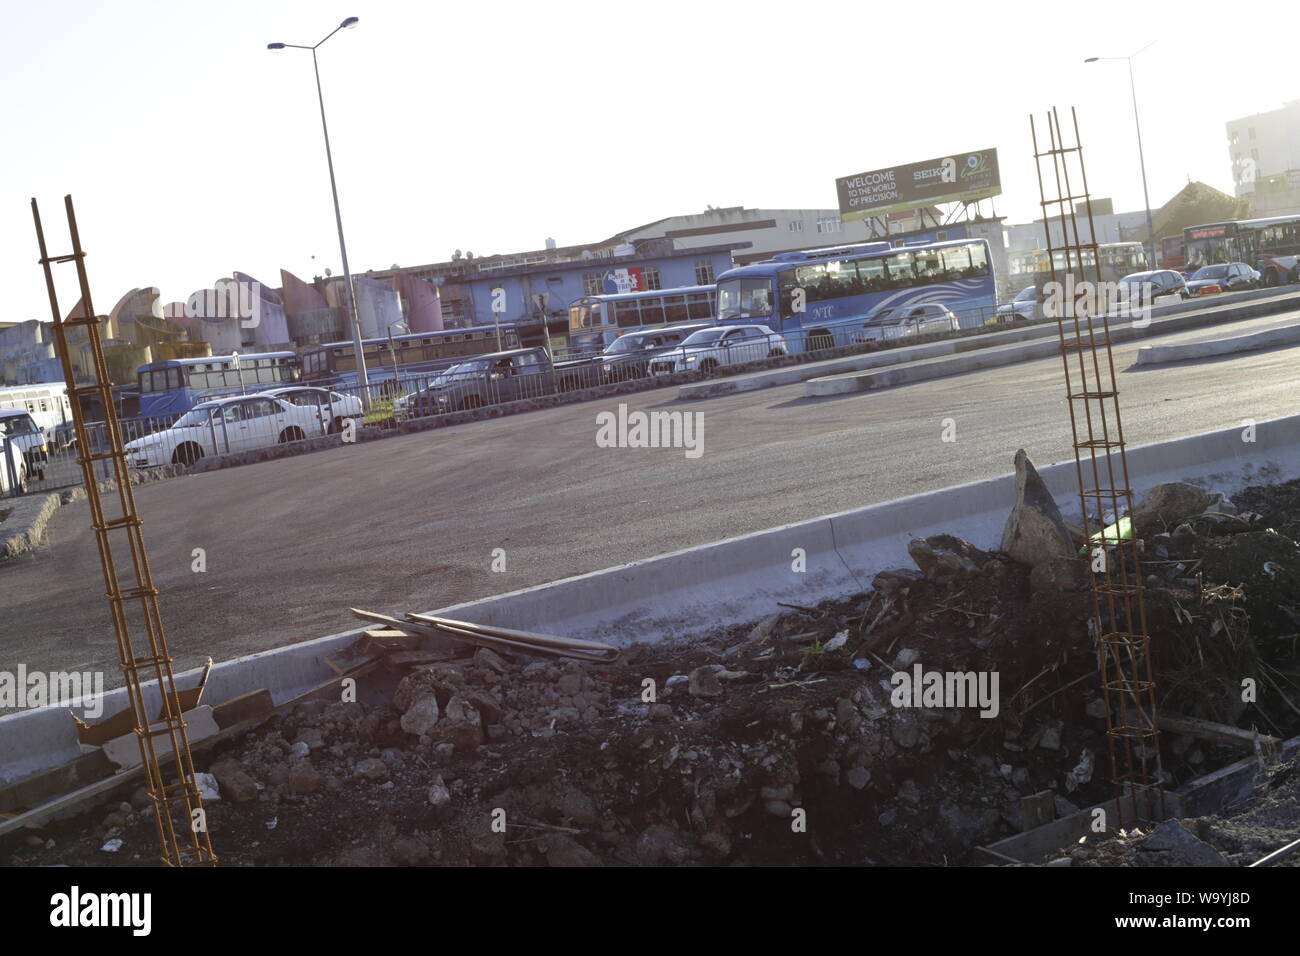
pixel 130 592
pixel 1105 494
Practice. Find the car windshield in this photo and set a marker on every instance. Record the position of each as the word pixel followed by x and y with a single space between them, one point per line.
pixel 17 425
pixel 1025 294
pixel 459 371
pixel 629 343
pixel 703 337
pixel 884 315
pixel 195 416
pixel 1211 272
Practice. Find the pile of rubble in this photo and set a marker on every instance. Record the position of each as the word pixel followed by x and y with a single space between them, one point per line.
pixel 788 741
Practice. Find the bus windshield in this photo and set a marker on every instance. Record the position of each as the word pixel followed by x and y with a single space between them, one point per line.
pixel 744 299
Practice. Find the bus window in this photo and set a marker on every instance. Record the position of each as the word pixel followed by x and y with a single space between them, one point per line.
pixel 900 271
pixel 786 283
pixel 871 274
pixel 812 279
pixel 979 260
pixel 652 311
pixel 675 308
pixel 956 262
pixel 841 279
pixel 927 267
pixel 627 313
pixel 700 305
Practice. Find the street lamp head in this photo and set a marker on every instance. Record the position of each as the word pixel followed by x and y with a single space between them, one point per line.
pixel 275 46
pixel 348 24
pixel 1092 59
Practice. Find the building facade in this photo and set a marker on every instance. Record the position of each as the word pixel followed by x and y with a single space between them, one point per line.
pixel 1264 150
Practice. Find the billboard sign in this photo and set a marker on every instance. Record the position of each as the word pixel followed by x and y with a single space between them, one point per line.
pixel 962 177
pixel 623 280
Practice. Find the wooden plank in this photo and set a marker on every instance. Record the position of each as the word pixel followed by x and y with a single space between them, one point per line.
pixel 256 703
pixel 123 722
pixel 33 790
pixel 1209 730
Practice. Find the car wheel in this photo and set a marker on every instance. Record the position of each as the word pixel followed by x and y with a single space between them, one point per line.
pixel 1270 278
pixel 187 453
pixel 292 433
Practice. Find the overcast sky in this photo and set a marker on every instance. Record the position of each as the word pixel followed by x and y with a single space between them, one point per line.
pixel 192 151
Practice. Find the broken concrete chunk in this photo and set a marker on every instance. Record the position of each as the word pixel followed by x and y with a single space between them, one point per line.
pixel 1168 503
pixel 421 716
pixel 704 682
pixel 895 579
pixel 1035 534
pixel 945 556
pixel 1171 844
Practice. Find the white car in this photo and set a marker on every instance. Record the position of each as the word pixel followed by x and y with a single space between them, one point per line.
pixel 26 436
pixel 895 322
pixel 336 406
pixel 226 426
pixel 709 349
pixel 1023 307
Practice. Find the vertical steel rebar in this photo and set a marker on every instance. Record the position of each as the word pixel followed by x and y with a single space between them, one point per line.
pixel 139 593
pixel 1101 466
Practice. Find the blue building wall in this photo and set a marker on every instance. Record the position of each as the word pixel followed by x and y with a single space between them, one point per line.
pixel 564 282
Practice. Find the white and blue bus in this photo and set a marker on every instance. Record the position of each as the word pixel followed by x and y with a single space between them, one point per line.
pixel 819 298
pixel 171 387
pixel 597 320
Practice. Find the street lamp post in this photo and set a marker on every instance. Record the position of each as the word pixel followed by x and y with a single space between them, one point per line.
pixel 362 378
pixel 1142 164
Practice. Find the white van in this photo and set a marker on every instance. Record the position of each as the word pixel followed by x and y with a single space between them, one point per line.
pixel 47 403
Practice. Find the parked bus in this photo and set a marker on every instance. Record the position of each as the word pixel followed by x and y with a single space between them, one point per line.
pixel 1272 246
pixel 47 403
pixel 1117 259
pixel 596 320
pixel 839 288
pixel 1171 253
pixel 415 353
pixel 171 387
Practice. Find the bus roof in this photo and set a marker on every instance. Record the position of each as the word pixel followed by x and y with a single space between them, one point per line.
pixel 861 251
pixel 407 337
pixel 647 294
pixel 207 359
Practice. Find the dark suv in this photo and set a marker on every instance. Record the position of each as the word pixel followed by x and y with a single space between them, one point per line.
pixel 628 356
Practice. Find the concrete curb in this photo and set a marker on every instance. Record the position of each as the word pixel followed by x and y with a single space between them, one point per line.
pixel 23 529
pixel 1241 307
pixel 937 368
pixel 725 583
pixel 1159 354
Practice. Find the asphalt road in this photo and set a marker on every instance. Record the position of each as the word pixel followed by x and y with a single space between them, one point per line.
pixel 412 522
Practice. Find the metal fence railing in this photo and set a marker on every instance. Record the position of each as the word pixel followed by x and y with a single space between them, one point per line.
pixel 393 400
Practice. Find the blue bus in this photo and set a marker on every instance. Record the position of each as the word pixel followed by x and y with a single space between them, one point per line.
pixel 597 320
pixel 171 387
pixel 334 364
pixel 840 288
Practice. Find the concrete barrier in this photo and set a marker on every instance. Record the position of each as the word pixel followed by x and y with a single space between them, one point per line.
pixel 726 583
pixel 921 371
pixel 25 527
pixel 1160 354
